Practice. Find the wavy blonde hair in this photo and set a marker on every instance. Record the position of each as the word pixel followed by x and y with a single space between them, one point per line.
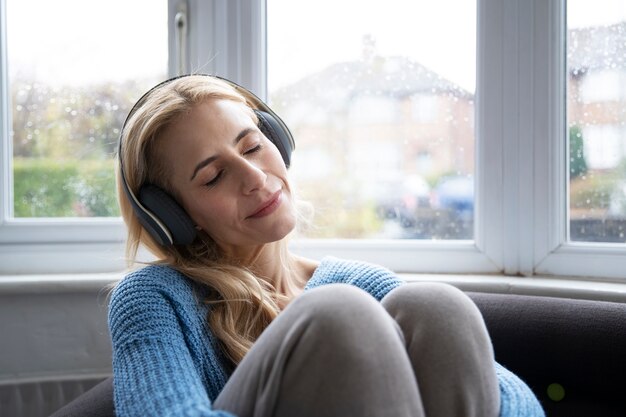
pixel 242 304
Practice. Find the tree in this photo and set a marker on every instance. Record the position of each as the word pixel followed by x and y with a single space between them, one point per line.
pixel 577 163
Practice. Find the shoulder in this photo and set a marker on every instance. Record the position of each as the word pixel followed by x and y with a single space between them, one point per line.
pixel 152 298
pixel 152 279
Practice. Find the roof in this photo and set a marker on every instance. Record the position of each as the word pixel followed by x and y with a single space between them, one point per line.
pixel 396 77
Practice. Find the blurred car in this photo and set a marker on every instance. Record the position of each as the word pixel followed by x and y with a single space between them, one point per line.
pixel 455 194
pixel 398 199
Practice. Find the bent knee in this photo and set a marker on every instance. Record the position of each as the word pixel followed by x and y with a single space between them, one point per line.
pixel 343 309
pixel 431 301
pixel 336 300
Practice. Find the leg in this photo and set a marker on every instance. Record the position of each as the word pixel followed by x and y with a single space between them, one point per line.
pixel 449 347
pixel 334 351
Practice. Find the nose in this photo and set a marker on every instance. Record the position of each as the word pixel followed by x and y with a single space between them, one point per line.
pixel 252 177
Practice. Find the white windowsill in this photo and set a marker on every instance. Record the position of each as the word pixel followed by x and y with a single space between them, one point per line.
pixel 537 286
pixel 560 287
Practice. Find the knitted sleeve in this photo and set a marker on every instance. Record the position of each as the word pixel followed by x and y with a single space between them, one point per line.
pixel 516 398
pixel 153 369
pixel 374 279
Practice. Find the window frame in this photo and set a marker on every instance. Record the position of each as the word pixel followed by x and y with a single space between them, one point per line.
pixel 521 223
pixel 52 245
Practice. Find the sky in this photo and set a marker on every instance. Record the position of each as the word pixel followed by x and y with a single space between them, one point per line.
pixel 84 41
pixel 78 41
pixel 304 37
pixel 308 36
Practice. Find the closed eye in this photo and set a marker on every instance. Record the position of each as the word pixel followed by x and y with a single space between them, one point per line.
pixel 219 175
pixel 253 150
pixel 215 179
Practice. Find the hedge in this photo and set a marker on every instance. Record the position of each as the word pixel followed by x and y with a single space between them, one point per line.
pixel 66 188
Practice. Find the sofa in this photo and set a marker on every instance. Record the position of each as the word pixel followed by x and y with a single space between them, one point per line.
pixel 572 353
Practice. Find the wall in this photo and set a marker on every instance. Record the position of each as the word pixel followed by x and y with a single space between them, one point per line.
pixel 53 326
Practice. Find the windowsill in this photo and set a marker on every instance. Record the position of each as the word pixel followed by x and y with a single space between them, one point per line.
pixel 537 286
pixel 57 283
pixel 561 287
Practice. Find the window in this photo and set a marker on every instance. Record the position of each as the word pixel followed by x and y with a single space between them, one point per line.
pixel 374 110
pixel 594 85
pixel 596 90
pixel 389 97
pixel 74 70
pixel 424 108
pixel 70 71
pixel 509 130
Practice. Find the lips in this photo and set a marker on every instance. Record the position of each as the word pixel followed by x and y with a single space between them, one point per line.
pixel 268 206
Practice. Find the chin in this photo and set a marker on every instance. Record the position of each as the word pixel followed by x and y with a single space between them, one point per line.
pixel 283 229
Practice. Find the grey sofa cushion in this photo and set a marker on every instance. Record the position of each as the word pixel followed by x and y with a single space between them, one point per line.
pixel 97 402
pixel 580 345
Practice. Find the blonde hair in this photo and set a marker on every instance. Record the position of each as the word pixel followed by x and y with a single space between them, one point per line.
pixel 242 304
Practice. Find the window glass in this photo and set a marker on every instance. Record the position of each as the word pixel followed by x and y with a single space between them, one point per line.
pixel 380 99
pixel 596 119
pixel 75 68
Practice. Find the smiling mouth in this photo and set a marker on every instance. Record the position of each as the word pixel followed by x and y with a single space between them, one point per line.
pixel 268 207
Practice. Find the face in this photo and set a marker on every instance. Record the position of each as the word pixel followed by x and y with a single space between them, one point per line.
pixel 229 177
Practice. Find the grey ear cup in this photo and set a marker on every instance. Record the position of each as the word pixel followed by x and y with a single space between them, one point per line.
pixel 273 130
pixel 151 223
pixel 157 211
pixel 170 213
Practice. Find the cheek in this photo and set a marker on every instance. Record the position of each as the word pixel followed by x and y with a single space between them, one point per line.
pixel 272 154
pixel 277 164
pixel 280 162
pixel 209 212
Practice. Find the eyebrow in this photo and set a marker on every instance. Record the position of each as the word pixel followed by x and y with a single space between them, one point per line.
pixel 210 159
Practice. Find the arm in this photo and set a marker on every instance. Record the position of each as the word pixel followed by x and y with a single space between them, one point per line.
pixel 516 398
pixel 374 279
pixel 153 367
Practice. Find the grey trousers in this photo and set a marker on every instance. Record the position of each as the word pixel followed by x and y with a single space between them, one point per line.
pixel 336 351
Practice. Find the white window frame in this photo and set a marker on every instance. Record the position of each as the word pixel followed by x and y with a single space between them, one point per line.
pixel 51 245
pixel 521 222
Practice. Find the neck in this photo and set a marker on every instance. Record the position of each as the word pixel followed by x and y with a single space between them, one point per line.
pixel 279 267
pixel 288 273
pixel 273 263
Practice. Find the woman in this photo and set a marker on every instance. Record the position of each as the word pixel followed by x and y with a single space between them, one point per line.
pixel 228 322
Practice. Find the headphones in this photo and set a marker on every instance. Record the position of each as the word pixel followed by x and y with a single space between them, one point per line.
pixel 158 212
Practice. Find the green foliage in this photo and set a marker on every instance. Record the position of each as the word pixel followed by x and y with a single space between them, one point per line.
pixel 64 188
pixel 577 163
pixel 43 188
pixel 62 122
pixel 353 223
pixel 620 170
pixel 96 188
pixel 593 191
pixel 63 141
pixel 334 215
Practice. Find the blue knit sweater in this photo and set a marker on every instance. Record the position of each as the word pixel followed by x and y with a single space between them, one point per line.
pixel 166 361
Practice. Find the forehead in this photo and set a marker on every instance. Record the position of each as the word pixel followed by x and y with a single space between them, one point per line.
pixel 197 133
pixel 208 120
pixel 215 112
